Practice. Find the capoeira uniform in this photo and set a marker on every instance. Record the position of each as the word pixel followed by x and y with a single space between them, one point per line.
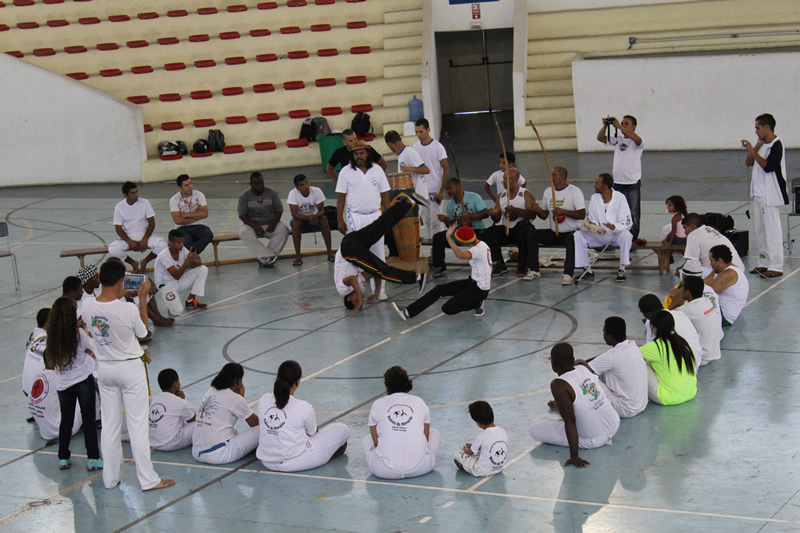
pixel 768 189
pixel 408 157
pixel 363 190
pixel 520 233
pixel 489 453
pixel 706 320
pixel 623 377
pixel 169 288
pixel 497 179
pixel 216 440
pixel 133 219
pixel 596 419
pixel 169 426
pixel 732 299
pixel 432 154
pixel 288 438
pixel 570 198
pixel 402 450
pixel 699 244
pixel 615 212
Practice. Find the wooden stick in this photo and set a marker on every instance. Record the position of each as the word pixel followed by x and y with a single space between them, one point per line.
pixel 458 175
pixel 505 174
pixel 549 173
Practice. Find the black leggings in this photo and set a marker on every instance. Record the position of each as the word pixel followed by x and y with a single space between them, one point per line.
pixel 465 296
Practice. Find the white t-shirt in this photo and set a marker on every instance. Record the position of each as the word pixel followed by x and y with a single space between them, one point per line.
pixel 283 433
pixel 400 420
pixel 699 244
pixel 707 322
pixel 480 262
pixel 570 198
pixel 684 328
pixel 217 416
pixel 168 414
pixel 492 444
pixel 133 218
pixel 594 415
pixel 627 159
pixel 82 367
pixel 770 185
pixel 190 204
pixel 164 261
pixel 363 189
pixel 616 212
pixel 343 269
pixel 34 358
pixel 306 205
pixel 115 327
pixel 624 371
pixel 432 154
pixel 499 182
pixel 409 157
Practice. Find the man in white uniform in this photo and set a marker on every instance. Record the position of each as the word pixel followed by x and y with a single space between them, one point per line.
pixel 177 270
pixel 435 157
pixel 622 370
pixel 699 241
pixel 650 303
pixel 188 207
pixel 729 282
pixel 704 316
pixel 408 160
pixel 608 211
pixel 171 419
pixel 115 324
pixel 134 222
pixel 498 177
pixel 768 189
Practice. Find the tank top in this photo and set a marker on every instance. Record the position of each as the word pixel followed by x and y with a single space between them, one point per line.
pixel 594 415
pixel 732 299
pixel 518 201
pixel 680 231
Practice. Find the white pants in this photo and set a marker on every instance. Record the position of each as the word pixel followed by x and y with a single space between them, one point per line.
pixel 182 440
pixel 193 280
pixel 769 235
pixel 552 431
pixel 355 221
pixel 277 240
pixel 616 401
pixel 469 462
pixel 432 213
pixel 321 447
pixel 590 239
pixel 123 387
pixel 229 451
pixel 652 384
pixel 384 471
pixel 118 247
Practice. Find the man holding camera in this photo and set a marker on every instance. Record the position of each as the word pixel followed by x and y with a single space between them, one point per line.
pixel 627 170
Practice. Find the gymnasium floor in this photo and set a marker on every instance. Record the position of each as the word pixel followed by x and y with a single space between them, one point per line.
pixel 727 461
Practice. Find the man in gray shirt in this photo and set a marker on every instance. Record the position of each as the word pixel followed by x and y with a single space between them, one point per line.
pixel 260 211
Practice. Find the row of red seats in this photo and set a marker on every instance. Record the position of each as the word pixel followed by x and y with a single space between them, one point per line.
pixel 258 88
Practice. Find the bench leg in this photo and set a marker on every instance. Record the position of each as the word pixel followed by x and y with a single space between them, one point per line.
pixel 216 255
pixel 80 258
pixel 663 260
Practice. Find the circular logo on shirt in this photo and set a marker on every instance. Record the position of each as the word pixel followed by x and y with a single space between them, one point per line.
pixel 170 296
pixel 157 412
pixel 400 415
pixel 39 389
pixel 374 180
pixel 274 418
pixel 497 453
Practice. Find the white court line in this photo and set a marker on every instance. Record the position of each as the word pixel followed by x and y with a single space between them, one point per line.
pixel 11 379
pixel 448 504
pixel 266 285
pixel 425 520
pixel 785 278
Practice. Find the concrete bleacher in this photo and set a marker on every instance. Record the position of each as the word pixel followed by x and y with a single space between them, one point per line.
pixel 181 64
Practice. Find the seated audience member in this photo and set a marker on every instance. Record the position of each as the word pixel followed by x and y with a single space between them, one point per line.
pixel 288 438
pixel 729 282
pixel 260 211
pixel 72 287
pixel 73 364
pixel 487 453
pixel 90 277
pixel 307 205
pixel 498 177
pixel 569 209
pixel 671 378
pixel 674 232
pixel 135 221
pixel 215 439
pixel 611 216
pixel 587 418
pixel 649 304
pixel 704 316
pixel 467 293
pixel 177 270
pixel 401 443
pixel 34 351
pixel 699 241
pixel 474 211
pixel 171 419
pixel 622 371
pixel 188 207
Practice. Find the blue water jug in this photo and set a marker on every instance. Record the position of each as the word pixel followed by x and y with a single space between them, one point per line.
pixel 415 109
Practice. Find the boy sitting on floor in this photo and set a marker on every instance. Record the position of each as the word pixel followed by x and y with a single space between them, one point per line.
pixel 171 419
pixel 486 455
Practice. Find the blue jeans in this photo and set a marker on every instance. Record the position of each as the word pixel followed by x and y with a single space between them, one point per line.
pixel 197 236
pixel 84 394
pixel 633 193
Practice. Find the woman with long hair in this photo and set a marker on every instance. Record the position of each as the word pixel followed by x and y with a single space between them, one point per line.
pixel 215 439
pixel 400 443
pixel 289 440
pixel 67 354
pixel 671 378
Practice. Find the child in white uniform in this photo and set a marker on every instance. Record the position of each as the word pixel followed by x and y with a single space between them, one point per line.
pixel 171 419
pixel 215 439
pixel 401 443
pixel 486 454
pixel 178 269
pixel 288 437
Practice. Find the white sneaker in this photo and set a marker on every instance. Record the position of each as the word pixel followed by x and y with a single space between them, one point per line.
pixel 479 311
pixel 383 296
pixel 400 310
pixel 531 275
pixel 566 279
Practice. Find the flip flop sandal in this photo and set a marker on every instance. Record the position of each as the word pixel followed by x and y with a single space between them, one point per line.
pixel 297 262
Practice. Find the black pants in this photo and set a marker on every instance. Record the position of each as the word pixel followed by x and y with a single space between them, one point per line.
pixel 83 393
pixel 196 235
pixel 440 245
pixel 355 246
pixel 548 237
pixel 465 296
pixel 521 235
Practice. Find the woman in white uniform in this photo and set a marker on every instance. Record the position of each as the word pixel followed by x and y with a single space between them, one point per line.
pixel 215 439
pixel 401 443
pixel 288 437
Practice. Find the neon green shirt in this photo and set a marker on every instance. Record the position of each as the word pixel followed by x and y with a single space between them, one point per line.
pixel 674 386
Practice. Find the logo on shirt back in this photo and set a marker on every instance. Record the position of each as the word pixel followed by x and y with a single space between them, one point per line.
pixel 207 409
pixel 100 325
pixel 590 389
pixel 497 453
pixel 400 415
pixel 157 412
pixel 39 389
pixel 274 419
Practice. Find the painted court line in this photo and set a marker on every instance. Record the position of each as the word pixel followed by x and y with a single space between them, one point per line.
pixel 10 379
pixel 774 286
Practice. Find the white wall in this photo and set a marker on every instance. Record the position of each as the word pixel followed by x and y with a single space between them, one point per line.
pixel 494 15
pixel 57 130
pixel 540 6
pixel 689 102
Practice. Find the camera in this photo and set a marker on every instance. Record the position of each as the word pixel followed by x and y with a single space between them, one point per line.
pixel 609 121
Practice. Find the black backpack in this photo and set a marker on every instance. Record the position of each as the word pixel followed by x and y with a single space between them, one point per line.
pixel 201 146
pixel 718 221
pixel 361 124
pixel 307 130
pixel 332 214
pixel 182 147
pixel 216 140
pixel 320 126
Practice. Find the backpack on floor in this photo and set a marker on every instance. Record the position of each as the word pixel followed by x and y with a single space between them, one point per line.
pixel 320 126
pixel 332 214
pixel 307 130
pixel 216 140
pixel 361 124
pixel 718 221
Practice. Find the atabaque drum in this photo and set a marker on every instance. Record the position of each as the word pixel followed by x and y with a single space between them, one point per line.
pixel 406 232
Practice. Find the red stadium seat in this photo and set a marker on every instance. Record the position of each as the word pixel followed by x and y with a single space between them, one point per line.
pixel 89 20
pixel 297 143
pixel 263 146
pixel 329 111
pixel 321 27
pixel 267 117
pixel 235 60
pixel 76 75
pixel 324 2
pixel 171 126
pixel 354 80
pixel 139 99
pixel 325 82
pixel 175 66
pixel 263 88
pixel 4 27
pixel 296 3
pixel 20 55
pixel 201 95
pixel 199 38
pixel 299 113
pixel 42 52
pixel 268 5
pixel 233 149
pixel 228 35
pixel 204 154
pixel 260 33
pixel 53 1
pixel 263 58
pixel 238 119
pixel 119 18
pixel 360 50
pixel 177 13
pixel 356 25
pixel 75 49
pixel 205 63
pixel 168 40
pixel 23 3
pixel 204 123
pixel 107 46
pixel 290 29
pixel 169 97
pixel 144 69
pixel 293 85
pixel 298 54
pixel 137 44
pixel 207 11
pixel 148 16
pixel 238 8
pixel 111 72
pixel 148 128
pixel 232 91
pixel 172 157
pixel 57 23
pixel 328 52
pixel 30 25
pixel 361 108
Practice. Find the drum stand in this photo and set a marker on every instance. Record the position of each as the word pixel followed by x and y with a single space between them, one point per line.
pixel 585 270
